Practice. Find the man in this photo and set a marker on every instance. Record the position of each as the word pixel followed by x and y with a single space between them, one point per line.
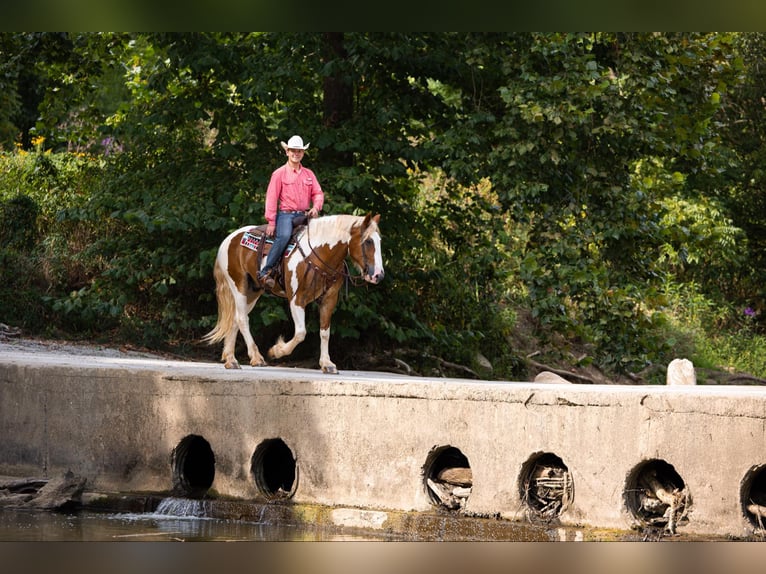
pixel 293 191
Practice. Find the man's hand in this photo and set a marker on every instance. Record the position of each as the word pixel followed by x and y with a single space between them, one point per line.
pixel 271 229
pixel 313 212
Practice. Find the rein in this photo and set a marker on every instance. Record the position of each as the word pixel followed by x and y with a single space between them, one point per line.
pixel 343 271
pixel 333 272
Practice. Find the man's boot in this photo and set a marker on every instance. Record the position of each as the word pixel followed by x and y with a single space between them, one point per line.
pixel 267 280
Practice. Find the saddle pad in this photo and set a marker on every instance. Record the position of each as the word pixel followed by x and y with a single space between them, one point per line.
pixel 251 241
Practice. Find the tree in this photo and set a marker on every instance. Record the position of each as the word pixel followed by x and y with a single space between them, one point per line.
pixel 744 190
pixel 576 122
pixel 568 175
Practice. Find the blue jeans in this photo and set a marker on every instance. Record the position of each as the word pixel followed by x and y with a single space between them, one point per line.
pixel 282 237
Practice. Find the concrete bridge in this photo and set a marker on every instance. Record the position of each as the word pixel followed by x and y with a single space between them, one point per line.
pixel 688 459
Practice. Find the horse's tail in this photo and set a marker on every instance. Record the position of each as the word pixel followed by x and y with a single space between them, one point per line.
pixel 226 307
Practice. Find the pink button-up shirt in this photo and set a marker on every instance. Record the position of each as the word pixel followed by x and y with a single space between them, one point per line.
pixel 292 190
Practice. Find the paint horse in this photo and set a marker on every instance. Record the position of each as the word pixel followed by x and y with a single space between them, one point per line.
pixel 314 270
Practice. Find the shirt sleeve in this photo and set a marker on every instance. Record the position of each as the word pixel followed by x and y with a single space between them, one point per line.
pixel 317 195
pixel 272 196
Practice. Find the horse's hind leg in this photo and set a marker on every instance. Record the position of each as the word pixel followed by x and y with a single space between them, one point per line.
pixel 243 324
pixel 229 341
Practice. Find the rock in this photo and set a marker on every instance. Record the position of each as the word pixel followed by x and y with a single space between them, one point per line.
pixel 483 363
pixel 681 372
pixel 548 377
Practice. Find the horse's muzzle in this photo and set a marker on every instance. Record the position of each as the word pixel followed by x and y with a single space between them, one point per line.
pixel 374 277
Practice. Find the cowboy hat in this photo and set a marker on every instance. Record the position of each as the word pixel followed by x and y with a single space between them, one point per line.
pixel 295 142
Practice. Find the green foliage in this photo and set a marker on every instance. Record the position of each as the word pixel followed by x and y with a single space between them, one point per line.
pixel 543 190
pixel 10 99
pixel 576 118
pixel 713 335
pixel 18 222
pixel 40 253
pixel 738 351
pixel 20 302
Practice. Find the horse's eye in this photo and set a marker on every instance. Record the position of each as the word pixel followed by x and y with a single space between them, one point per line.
pixel 369 242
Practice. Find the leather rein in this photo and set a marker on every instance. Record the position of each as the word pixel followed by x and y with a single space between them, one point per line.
pixel 332 273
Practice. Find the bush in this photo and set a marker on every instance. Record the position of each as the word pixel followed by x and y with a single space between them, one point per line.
pixel 41 255
pixel 18 222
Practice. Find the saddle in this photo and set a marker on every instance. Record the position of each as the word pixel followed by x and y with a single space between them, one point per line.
pixel 256 240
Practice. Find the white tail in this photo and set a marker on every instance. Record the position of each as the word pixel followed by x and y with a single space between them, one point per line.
pixel 226 308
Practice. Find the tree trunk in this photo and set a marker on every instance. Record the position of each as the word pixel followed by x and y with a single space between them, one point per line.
pixel 338 96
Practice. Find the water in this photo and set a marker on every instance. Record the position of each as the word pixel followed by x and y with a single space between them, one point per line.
pixel 194 520
pixel 191 520
pixel 174 520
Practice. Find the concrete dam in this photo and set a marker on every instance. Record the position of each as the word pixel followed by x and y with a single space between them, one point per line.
pixel 367 445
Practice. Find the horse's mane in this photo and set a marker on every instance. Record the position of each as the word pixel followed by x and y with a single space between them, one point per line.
pixel 331 227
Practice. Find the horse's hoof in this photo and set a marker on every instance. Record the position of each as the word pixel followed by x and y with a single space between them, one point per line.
pixel 330 370
pixel 232 365
pixel 258 364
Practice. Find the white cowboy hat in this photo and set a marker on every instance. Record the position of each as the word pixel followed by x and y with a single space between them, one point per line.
pixel 295 142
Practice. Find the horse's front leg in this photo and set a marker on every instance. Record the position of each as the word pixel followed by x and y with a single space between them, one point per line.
pixel 282 348
pixel 326 309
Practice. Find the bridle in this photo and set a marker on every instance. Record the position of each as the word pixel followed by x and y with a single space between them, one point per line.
pixel 333 273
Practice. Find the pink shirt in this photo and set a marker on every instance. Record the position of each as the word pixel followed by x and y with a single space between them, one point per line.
pixel 292 190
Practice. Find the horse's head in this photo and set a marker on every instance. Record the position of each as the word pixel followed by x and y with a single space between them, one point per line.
pixel 365 250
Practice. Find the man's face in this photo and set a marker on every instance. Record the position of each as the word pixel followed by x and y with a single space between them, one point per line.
pixel 295 154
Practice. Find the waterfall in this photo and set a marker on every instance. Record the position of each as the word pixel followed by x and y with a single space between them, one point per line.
pixel 182 507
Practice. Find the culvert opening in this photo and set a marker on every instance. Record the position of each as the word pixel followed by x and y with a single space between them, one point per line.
pixel 753 497
pixel 274 470
pixel 545 487
pixel 657 496
pixel 447 478
pixel 193 467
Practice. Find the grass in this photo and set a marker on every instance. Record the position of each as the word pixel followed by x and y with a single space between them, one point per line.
pixel 722 338
pixel 741 352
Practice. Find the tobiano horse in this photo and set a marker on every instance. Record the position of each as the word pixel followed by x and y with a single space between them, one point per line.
pixel 314 270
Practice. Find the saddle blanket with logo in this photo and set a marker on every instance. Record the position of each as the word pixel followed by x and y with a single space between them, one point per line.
pixel 251 239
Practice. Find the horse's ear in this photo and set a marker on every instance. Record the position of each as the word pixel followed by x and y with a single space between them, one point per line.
pixel 369 217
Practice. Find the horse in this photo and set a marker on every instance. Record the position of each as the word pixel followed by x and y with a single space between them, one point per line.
pixel 313 270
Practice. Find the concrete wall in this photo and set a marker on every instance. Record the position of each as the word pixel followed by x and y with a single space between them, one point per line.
pixel 365 439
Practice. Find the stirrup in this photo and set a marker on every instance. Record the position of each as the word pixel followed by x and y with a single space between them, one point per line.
pixel 268 280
